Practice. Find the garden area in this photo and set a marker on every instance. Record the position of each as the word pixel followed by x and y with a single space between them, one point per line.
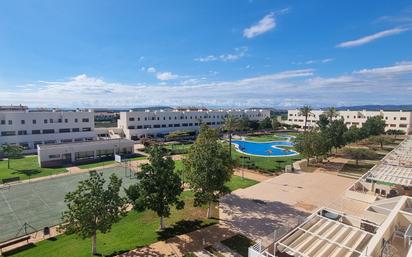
pixel 26 167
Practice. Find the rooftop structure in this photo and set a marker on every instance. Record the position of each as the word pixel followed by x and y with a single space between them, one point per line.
pixel 396 120
pixel 391 177
pixel 384 230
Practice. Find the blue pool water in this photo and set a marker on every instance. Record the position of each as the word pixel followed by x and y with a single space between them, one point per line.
pixel 265 149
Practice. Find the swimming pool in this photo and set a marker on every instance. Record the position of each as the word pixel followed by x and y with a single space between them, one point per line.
pixel 264 149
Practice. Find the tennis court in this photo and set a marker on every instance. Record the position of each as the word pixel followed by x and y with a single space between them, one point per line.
pixel 40 204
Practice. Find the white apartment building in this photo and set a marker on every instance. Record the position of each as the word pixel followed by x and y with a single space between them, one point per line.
pixel 30 129
pixel 397 120
pixel 138 124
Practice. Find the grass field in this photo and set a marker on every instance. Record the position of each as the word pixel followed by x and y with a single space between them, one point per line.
pixel 102 163
pixel 135 230
pixel 178 148
pixel 25 168
pixel 269 137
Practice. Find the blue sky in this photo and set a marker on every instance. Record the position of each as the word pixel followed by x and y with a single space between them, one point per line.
pixel 216 53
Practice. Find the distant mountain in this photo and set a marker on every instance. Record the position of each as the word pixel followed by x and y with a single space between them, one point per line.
pixel 377 107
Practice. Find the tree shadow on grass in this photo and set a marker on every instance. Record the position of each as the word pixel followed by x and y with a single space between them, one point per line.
pixel 27 172
pixel 182 227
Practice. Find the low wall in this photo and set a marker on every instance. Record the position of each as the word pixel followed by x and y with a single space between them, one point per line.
pixel 359 196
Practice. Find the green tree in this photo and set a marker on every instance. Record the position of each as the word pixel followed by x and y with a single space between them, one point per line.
pixel 230 124
pixel 373 126
pixel 353 134
pixel 335 133
pixel 323 122
pixel 93 207
pixel 207 168
pixel 275 123
pixel 243 123
pixel 266 123
pixel 331 113
pixel 11 151
pixel 359 153
pixel 312 144
pixel 395 132
pixel 158 187
pixel 305 111
pixel 381 140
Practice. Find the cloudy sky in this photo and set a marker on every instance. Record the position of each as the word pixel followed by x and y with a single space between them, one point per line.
pixel 216 53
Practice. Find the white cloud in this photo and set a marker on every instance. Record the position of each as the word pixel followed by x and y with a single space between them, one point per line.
pixel 166 75
pixel 370 38
pixel 239 53
pixel 401 67
pixel 287 89
pixel 151 69
pixel 266 24
pixel 325 60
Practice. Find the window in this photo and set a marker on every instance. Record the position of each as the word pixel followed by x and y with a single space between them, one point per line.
pixel 184 124
pixel 403 125
pixel 176 125
pixel 138 118
pixel 36 132
pixel 45 121
pixel 394 118
pixel 23 122
pixel 153 118
pixel 86 129
pixel 75 130
pixel 131 119
pixel 49 142
pixel 48 131
pixel 64 130
pixel 3 122
pixel 130 127
pixel 147 126
pixel 54 156
pixel 76 120
pixel 10 122
pixel 170 125
pixel 157 118
pixel 145 118
pixel 78 140
pixel 35 143
pixel 66 120
pixel 156 126
pixel 34 121
pixel 22 132
pixel 163 125
pixel 8 133
pixel 59 120
pixel 403 118
pixel 85 120
pixel 139 127
pixel 392 125
pixel 51 120
pixel 66 140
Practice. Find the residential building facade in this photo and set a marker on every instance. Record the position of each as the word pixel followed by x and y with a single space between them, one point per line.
pixel 138 124
pixel 29 129
pixel 396 120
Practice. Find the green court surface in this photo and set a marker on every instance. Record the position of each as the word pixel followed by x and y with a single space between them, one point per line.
pixel 40 204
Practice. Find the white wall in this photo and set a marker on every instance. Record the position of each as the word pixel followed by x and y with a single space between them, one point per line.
pixel 24 127
pixel 398 120
pixel 139 124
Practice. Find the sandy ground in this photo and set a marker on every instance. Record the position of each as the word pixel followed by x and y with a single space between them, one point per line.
pixel 283 201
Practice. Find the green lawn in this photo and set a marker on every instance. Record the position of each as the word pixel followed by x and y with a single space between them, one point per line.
pixel 135 230
pixel 269 137
pixel 102 163
pixel 25 168
pixel 178 148
pixel 237 182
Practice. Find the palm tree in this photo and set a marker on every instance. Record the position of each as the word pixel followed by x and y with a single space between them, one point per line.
pixel 11 151
pixel 306 110
pixel 230 124
pixel 331 113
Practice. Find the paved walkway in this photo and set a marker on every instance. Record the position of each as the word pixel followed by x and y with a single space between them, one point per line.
pixel 183 244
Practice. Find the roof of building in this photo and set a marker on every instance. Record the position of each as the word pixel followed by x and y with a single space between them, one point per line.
pixel 85 143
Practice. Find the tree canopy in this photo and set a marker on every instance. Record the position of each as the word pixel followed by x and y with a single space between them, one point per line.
pixel 359 153
pixel 11 151
pixel 374 126
pixel 312 144
pixel 93 207
pixel 207 168
pixel 158 187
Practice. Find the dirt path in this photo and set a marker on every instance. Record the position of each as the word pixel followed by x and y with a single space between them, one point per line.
pixel 250 174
